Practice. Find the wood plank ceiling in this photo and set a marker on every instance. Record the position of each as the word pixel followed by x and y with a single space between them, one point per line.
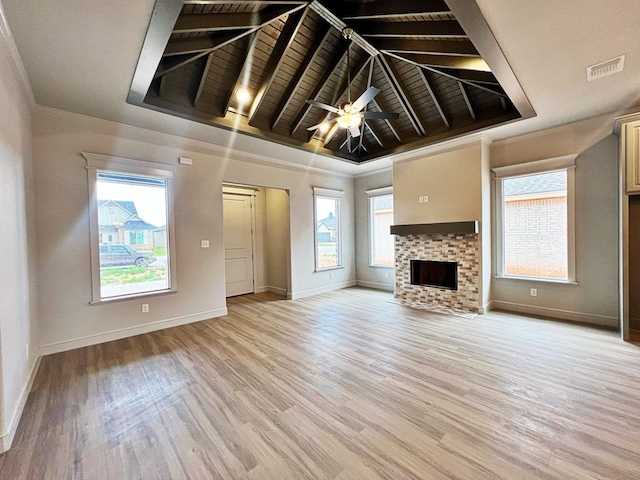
pixel 282 53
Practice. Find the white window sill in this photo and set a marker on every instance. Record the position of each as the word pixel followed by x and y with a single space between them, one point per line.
pixel 318 270
pixel 135 296
pixel 389 267
pixel 537 280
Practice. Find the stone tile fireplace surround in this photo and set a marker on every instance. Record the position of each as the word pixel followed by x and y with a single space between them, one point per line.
pixel 424 242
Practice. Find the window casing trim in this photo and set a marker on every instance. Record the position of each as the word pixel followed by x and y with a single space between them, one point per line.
pixel 567 163
pixel 97 162
pixel 371 194
pixel 319 192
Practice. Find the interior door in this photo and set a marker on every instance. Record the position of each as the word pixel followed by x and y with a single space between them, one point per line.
pixel 238 243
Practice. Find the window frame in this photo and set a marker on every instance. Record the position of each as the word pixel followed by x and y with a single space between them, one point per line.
pixel 96 163
pixel 566 163
pixel 371 194
pixel 330 194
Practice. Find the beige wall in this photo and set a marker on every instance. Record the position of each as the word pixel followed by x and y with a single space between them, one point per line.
pixel 369 276
pixel 277 240
pixel 18 325
pixel 63 242
pixel 452 180
pixel 595 298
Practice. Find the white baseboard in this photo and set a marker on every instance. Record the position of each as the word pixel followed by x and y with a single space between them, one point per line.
pixel 316 291
pixel 487 307
pixel 376 285
pixel 277 290
pixel 129 332
pixel 7 436
pixel 554 313
pixel 262 289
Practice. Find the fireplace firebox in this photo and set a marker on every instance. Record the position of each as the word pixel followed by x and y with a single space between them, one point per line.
pixel 434 274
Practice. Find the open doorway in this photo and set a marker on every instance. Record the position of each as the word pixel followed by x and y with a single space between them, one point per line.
pixel 256 230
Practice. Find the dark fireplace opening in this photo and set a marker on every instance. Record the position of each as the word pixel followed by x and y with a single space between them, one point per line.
pixel 434 274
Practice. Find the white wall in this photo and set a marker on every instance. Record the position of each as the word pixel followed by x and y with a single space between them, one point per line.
pixel 367 275
pixel 18 326
pixel 63 242
pixel 595 298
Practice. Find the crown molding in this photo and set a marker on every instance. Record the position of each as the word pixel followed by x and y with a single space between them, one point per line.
pixel 14 58
pixel 142 134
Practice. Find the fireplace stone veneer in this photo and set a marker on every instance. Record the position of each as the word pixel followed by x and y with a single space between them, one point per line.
pixel 461 248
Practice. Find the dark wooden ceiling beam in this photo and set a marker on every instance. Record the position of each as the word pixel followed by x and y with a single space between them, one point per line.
pixel 434 96
pixel 203 80
pixel 453 76
pixel 387 121
pixel 445 61
pixel 204 46
pixel 301 73
pixel 444 28
pixel 386 9
pixel 467 100
pixel 248 58
pixel 375 136
pixel 477 77
pixel 251 2
pixel 437 47
pixel 329 72
pixel 285 40
pixel 213 22
pixel 392 79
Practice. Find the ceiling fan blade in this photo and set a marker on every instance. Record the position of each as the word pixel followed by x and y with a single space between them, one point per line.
pixel 354 131
pixel 381 115
pixel 329 108
pixel 315 127
pixel 365 98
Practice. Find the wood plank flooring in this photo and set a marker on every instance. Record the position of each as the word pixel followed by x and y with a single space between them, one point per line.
pixel 346 385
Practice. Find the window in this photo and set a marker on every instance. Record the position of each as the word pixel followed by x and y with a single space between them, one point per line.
pixel 381 246
pixel 128 201
pixel 327 226
pixel 535 218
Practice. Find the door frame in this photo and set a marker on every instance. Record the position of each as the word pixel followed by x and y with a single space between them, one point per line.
pixel 246 191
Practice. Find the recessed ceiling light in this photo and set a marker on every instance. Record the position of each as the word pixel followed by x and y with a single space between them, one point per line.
pixel 243 95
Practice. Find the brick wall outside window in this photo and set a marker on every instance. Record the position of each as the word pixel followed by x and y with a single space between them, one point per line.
pixel 535 240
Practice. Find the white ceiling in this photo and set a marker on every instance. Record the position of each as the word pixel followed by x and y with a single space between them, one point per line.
pixel 80 56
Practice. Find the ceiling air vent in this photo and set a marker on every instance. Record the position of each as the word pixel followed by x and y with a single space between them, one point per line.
pixel 603 69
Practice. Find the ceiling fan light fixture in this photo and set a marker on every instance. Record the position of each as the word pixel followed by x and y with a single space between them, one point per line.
pixel 324 127
pixel 350 120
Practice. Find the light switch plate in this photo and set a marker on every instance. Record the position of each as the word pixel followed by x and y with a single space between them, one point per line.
pixel 204 243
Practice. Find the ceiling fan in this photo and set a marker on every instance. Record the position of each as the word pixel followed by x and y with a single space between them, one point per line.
pixel 350 115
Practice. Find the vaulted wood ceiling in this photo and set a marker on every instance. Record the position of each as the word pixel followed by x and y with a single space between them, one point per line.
pixel 423 56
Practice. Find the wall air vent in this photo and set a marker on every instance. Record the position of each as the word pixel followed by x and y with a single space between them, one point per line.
pixel 603 69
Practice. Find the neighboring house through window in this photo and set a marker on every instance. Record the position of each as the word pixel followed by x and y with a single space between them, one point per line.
pixel 327 221
pixel 381 242
pixel 535 219
pixel 129 202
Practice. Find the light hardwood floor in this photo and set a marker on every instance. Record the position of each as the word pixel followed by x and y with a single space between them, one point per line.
pixel 345 385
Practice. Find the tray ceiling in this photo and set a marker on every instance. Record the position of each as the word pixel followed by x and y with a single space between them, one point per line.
pixel 424 57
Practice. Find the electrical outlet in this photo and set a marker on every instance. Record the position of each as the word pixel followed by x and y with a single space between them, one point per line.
pixel 534 292
pixel 145 308
pixel 420 199
pixel 425 199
